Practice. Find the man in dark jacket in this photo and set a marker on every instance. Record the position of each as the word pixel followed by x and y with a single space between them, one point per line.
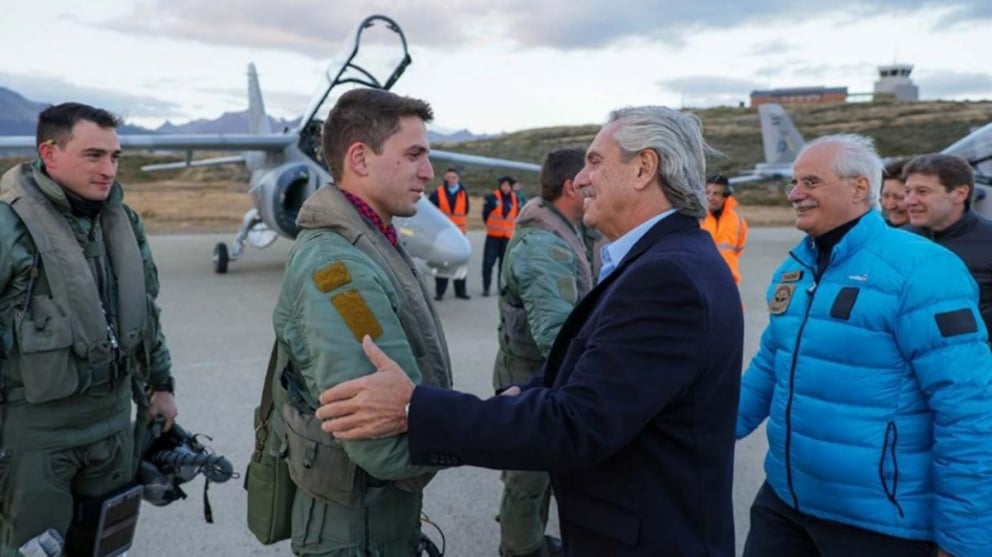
pixel 633 415
pixel 546 273
pixel 499 213
pixel 939 190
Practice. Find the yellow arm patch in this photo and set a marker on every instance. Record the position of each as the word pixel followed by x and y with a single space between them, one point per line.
pixel 333 276
pixel 559 254
pixel 356 314
pixel 567 289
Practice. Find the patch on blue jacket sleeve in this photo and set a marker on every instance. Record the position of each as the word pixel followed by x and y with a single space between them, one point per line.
pixel 331 277
pixel 958 322
pixel 357 315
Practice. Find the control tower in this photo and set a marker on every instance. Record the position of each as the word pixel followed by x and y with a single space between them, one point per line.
pixel 894 82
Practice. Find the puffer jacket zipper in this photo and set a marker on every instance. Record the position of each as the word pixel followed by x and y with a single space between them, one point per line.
pixel 811 291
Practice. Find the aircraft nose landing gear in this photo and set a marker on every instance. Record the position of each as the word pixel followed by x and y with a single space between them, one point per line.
pixel 220 258
pixel 253 231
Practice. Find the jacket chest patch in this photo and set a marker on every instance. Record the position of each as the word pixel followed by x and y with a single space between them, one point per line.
pixel 844 303
pixel 781 298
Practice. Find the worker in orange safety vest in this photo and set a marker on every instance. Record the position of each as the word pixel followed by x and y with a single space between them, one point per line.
pixel 452 199
pixel 727 227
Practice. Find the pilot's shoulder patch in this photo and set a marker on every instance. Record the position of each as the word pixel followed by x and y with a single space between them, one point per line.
pixel 356 314
pixel 567 289
pixel 791 276
pixel 332 276
pixel 560 254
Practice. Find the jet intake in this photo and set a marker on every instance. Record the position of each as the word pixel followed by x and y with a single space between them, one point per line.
pixel 283 191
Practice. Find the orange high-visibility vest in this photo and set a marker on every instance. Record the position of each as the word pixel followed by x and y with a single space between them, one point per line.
pixel 497 225
pixel 460 215
pixel 729 233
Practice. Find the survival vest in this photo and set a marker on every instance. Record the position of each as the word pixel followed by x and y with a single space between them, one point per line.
pixel 65 340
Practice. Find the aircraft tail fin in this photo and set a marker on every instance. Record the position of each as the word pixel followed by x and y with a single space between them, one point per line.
pixel 779 135
pixel 256 108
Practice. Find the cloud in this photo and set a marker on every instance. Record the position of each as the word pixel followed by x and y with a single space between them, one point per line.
pixel 286 102
pixel 769 48
pixel 965 13
pixel 813 73
pixel 313 28
pixel 707 90
pixel 317 28
pixel 941 84
pixel 54 90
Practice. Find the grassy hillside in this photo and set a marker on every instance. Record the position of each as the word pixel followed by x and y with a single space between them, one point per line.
pixel 898 129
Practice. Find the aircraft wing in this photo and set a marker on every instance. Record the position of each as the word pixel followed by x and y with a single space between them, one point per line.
pixel 976 147
pixel 216 161
pixel 246 142
pixel 481 161
pixel 747 179
pixel 177 142
pixel 16 144
pixel 217 142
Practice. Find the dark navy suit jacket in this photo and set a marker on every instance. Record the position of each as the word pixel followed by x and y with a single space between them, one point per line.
pixel 635 418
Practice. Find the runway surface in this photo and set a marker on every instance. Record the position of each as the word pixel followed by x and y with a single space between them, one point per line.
pixel 219 330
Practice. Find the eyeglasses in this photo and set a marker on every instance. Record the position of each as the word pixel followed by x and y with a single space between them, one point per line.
pixel 809 184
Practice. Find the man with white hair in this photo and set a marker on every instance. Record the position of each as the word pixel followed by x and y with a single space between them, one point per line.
pixel 875 379
pixel 631 414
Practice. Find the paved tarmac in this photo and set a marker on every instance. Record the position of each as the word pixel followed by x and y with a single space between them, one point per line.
pixel 220 333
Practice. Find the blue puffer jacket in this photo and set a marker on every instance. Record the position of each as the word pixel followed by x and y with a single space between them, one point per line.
pixel 877 384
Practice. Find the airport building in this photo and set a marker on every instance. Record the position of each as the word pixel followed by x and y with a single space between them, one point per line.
pixel 799 95
pixel 894 83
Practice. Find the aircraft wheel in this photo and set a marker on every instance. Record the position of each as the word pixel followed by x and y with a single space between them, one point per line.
pixel 220 258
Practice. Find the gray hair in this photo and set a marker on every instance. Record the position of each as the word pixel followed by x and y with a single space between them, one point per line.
pixel 677 138
pixel 856 157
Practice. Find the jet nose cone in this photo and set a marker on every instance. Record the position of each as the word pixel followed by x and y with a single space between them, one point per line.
pixel 451 248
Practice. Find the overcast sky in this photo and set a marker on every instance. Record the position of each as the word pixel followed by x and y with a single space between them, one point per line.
pixel 488 66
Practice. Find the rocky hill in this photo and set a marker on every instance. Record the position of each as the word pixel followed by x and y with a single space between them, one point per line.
pixel 18 115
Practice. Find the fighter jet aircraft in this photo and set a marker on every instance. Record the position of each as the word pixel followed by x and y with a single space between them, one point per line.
pixel 287 167
pixel 782 143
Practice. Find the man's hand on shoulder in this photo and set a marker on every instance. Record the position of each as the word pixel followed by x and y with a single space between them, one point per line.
pixel 370 407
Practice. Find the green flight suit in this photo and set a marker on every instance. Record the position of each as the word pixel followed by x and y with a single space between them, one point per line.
pixel 66 379
pixel 545 273
pixel 344 280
